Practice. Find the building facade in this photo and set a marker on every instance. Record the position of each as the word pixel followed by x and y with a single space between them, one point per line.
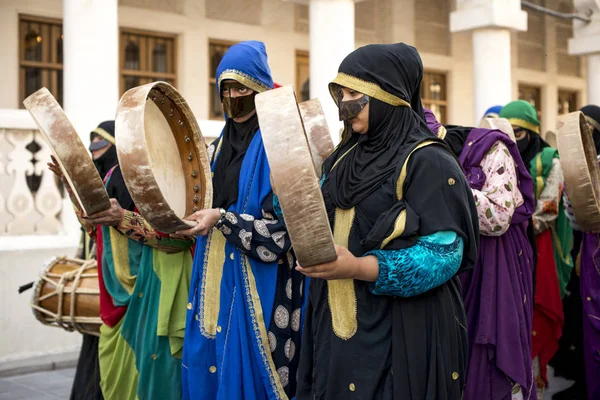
pixel 182 42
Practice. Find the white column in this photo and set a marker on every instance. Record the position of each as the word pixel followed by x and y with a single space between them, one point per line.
pixel 491 22
pixel 593 78
pixel 586 42
pixel 491 69
pixel 91 72
pixel 331 40
pixel 90 56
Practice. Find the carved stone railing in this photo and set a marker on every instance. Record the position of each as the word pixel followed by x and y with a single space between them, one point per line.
pixel 30 196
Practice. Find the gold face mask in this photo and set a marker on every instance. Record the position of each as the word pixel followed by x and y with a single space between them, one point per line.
pixel 236 107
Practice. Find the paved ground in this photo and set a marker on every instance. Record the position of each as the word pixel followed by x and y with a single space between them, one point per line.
pixel 57 385
pixel 40 385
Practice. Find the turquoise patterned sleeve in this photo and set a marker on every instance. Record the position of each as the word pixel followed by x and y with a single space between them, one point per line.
pixel 432 261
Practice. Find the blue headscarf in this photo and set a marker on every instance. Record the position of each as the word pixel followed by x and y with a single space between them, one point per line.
pixel 228 357
pixel 493 112
pixel 246 62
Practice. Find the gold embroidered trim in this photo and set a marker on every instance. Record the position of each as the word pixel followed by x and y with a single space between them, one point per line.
pixel 593 122
pixel 524 124
pixel 342 156
pixel 341 292
pixel 400 183
pixel 243 78
pixel 104 134
pixel 120 251
pixel 368 88
pixel 258 318
pixel 441 133
pixel 399 226
pixel 212 273
pixel 539 179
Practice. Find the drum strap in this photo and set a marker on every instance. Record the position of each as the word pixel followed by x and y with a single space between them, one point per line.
pixel 341 292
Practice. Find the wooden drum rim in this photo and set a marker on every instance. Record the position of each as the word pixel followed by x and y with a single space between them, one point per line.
pixel 292 172
pixel 72 156
pixel 501 124
pixel 135 160
pixel 317 132
pixel 580 168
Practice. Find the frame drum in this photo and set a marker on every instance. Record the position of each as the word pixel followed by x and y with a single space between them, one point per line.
pixel 72 156
pixel 501 124
pixel 162 155
pixel 292 172
pixel 317 132
pixel 580 167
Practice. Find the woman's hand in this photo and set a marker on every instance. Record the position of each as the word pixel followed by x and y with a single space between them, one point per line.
pixel 54 167
pixel 346 266
pixel 205 220
pixel 109 217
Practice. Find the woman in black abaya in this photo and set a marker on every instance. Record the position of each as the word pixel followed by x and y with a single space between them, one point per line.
pixel 386 319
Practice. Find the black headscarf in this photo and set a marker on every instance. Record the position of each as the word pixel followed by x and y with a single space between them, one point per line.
pixel 109 159
pixel 391 129
pixel 235 142
pixel 593 112
pixel 456 137
pixel 534 146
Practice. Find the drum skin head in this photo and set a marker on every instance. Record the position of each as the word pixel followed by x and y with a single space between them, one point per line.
pixel 580 168
pixel 293 176
pixel 162 156
pixel 317 132
pixel 72 156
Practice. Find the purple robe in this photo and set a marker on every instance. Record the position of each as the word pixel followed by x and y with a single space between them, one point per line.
pixel 498 292
pixel 590 295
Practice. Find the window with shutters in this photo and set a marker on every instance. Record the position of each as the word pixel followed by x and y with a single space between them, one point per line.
pixel 216 51
pixel 532 43
pixel 302 88
pixel 567 101
pixel 40 56
pixel 147 57
pixel 532 94
pixel 567 64
pixel 433 26
pixel 434 94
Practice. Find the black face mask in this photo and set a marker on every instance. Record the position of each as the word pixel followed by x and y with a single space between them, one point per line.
pixel 523 143
pixel 351 108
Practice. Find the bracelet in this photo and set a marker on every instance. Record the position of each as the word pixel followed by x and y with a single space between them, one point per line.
pixel 221 220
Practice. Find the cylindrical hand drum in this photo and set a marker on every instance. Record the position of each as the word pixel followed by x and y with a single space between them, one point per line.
pixel 579 163
pixel 67 295
pixel 501 124
pixel 317 132
pixel 162 155
pixel 293 175
pixel 72 156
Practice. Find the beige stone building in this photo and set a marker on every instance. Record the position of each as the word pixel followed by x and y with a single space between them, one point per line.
pixel 182 42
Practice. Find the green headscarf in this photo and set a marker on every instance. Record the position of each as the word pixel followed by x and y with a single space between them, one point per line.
pixel 522 114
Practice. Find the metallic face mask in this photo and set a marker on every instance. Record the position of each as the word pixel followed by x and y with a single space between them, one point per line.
pixel 351 108
pixel 236 107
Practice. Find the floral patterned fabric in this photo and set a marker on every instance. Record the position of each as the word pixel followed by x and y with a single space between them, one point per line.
pixel 546 210
pixel 498 195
